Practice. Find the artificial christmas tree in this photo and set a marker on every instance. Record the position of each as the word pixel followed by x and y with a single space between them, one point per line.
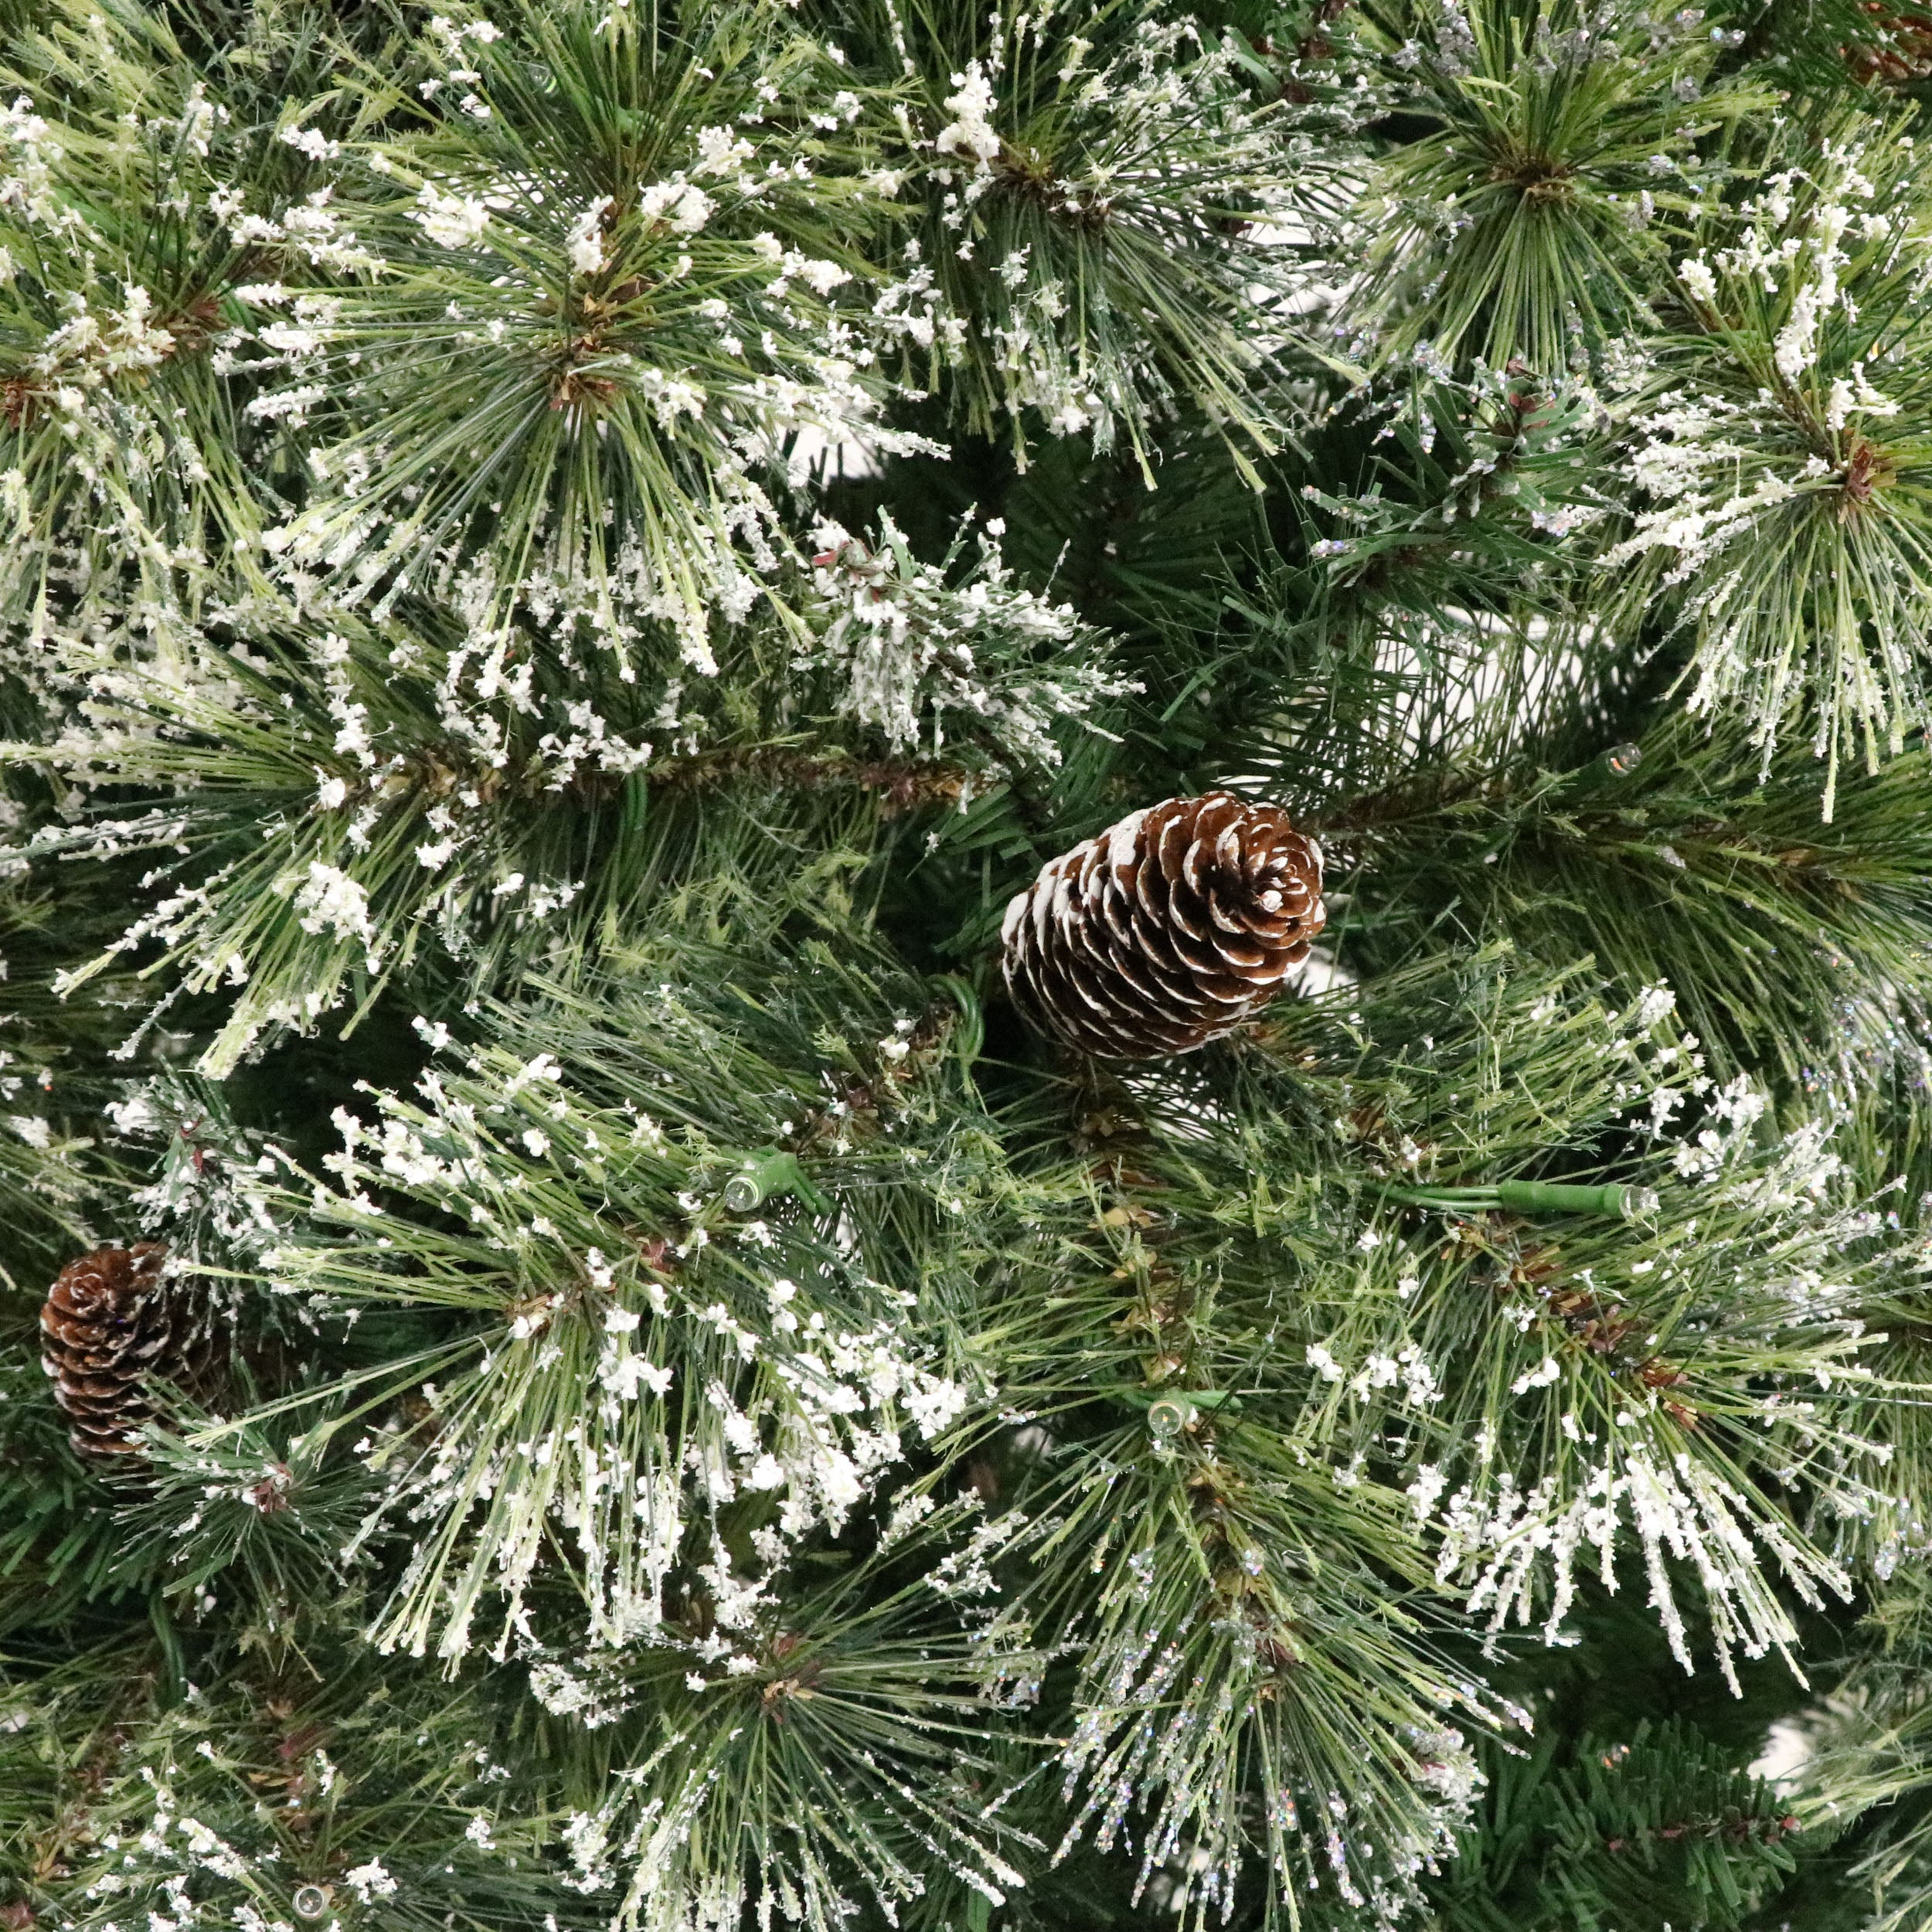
pixel 1019 914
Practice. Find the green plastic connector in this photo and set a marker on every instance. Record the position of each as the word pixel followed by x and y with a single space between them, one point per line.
pixel 636 804
pixel 1613 1198
pixel 767 1172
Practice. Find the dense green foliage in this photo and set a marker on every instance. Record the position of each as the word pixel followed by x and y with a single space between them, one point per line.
pixel 560 563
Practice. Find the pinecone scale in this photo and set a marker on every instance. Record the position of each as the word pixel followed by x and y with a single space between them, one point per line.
pixel 1167 930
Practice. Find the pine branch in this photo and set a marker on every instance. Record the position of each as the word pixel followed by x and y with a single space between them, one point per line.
pixel 1534 219
pixel 1786 943
pixel 1594 1832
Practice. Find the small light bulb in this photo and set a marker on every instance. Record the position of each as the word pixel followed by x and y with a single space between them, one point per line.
pixel 1169 1416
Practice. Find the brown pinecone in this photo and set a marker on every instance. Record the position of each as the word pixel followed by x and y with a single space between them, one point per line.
pixel 1166 931
pixel 108 1323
